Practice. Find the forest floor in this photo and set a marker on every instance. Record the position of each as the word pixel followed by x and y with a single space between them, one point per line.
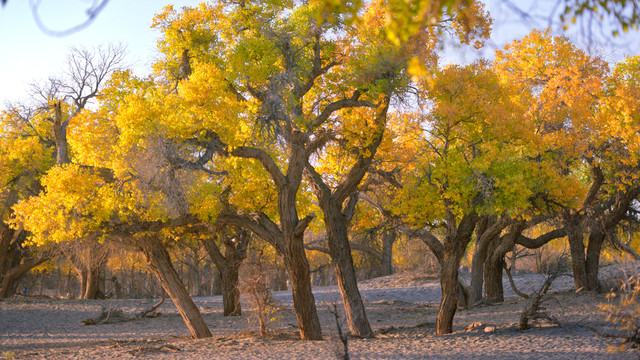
pixel 402 309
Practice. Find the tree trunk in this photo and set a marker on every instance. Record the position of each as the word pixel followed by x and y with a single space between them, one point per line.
pixel 593 260
pixel 231 291
pixel 449 285
pixel 576 245
pixel 477 269
pixel 494 290
pixel 160 264
pixel 216 282
pixel 388 239
pixel 91 284
pixel 6 236
pixel 228 265
pixel 9 280
pixel 303 301
pixel 454 247
pixel 338 241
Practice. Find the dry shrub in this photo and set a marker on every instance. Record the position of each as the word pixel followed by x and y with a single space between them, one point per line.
pixel 414 255
pixel 254 288
pixel 623 310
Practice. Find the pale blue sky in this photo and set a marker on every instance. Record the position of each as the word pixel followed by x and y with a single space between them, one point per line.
pixel 27 54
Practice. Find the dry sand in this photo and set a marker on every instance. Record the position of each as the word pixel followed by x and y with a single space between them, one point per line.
pixel 402 309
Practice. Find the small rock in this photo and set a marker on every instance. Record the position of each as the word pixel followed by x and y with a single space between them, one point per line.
pixel 490 329
pixel 473 326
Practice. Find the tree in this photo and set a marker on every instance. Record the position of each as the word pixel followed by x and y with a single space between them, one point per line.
pixel 468 168
pixel 235 245
pixel 25 154
pixel 562 86
pixel 126 190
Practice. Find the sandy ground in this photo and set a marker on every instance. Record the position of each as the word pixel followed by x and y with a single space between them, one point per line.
pixel 402 309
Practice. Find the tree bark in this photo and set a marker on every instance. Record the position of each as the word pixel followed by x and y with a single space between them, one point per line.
pixel 92 284
pixel 455 244
pixel 596 238
pixel 578 263
pixel 228 265
pixel 340 251
pixel 388 239
pixel 338 241
pixel 161 266
pixel 449 286
pixel 494 290
pixel 290 244
pixel 231 292
pixel 303 301
pixel 477 261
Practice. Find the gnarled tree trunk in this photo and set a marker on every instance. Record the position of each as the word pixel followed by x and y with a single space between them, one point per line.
pixel 449 286
pixel 228 265
pixel 477 261
pixel 493 288
pixel 455 245
pixel 303 299
pixel 229 280
pixel 578 262
pixel 592 261
pixel 161 266
pixel 346 276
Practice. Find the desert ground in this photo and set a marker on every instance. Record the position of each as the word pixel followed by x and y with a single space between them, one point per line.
pixel 402 309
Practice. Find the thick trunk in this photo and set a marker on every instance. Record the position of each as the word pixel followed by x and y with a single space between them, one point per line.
pixel 338 241
pixel 449 285
pixel 576 245
pixel 92 284
pixel 10 278
pixel 593 260
pixel 477 269
pixel 6 236
pixel 228 265
pixel 388 239
pixel 493 288
pixel 160 264
pixel 303 301
pixel 454 247
pixel 230 290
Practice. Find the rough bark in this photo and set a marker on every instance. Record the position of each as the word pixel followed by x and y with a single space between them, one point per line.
pixel 388 239
pixel 228 265
pixel 592 261
pixel 456 240
pixel 477 261
pixel 161 266
pixel 449 286
pixel 231 292
pixel 578 262
pixel 346 275
pixel 14 260
pixel 495 262
pixel 88 259
pixel 340 251
pixel 494 290
pixel 291 246
pixel 303 300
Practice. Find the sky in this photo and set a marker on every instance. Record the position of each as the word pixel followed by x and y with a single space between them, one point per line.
pixel 30 54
